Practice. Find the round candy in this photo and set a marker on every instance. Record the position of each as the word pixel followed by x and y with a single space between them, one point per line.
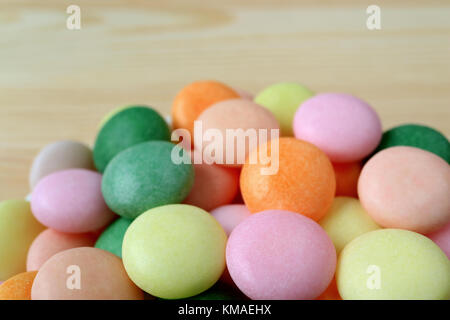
pixel 18 287
pixel 418 136
pixel 112 113
pixel 304 183
pixel 235 114
pixel 229 216
pixel 18 228
pixel 49 242
pixel 331 293
pixel 346 128
pixel 220 291
pixel 84 274
pixel 196 97
pixel 442 238
pixel 145 176
pixel 213 186
pixel 347 175
pixel 283 100
pixel 111 239
pixel 406 188
pixel 71 201
pixel 393 264
pixel 127 128
pixel 345 221
pixel 174 251
pixel 280 255
pixel 59 156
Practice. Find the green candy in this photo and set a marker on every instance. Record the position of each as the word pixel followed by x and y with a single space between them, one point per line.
pixel 126 128
pixel 220 291
pixel 419 136
pixel 144 176
pixel 111 239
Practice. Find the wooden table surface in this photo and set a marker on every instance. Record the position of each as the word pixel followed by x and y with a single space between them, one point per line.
pixel 57 84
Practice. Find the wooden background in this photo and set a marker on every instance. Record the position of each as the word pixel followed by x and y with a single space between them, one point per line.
pixel 57 84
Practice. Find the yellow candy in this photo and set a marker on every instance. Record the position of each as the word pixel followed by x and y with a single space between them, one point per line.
pixel 18 228
pixel 174 251
pixel 283 99
pixel 345 221
pixel 393 264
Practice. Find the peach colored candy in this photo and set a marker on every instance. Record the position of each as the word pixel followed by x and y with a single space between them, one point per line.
pixel 213 186
pixel 196 97
pixel 442 238
pixel 304 183
pixel 99 274
pixel 347 175
pixel 49 242
pixel 244 94
pixel 235 114
pixel 18 287
pixel 406 188
pixel 71 201
pixel 230 216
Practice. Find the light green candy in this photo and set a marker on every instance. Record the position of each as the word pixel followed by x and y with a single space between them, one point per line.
pixel 393 264
pixel 174 251
pixel 283 99
pixel 18 228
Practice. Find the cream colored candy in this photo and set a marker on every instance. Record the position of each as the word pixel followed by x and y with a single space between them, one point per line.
pixel 84 274
pixel 59 156
pixel 18 228
pixel 392 264
pixel 406 188
pixel 345 221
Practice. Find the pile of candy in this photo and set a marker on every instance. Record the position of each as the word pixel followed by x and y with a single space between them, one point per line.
pixel 337 210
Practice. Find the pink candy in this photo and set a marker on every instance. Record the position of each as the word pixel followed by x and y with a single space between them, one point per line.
pixel 278 254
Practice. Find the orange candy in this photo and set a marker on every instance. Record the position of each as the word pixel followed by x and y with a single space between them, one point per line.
pixel 193 99
pixel 347 175
pixel 18 287
pixel 331 293
pixel 305 181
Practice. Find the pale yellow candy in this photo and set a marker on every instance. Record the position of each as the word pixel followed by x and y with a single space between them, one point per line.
pixel 393 264
pixel 18 228
pixel 174 251
pixel 345 221
pixel 283 99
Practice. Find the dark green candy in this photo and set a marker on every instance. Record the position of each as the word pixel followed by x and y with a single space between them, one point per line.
pixel 220 291
pixel 127 128
pixel 112 237
pixel 418 136
pixel 144 176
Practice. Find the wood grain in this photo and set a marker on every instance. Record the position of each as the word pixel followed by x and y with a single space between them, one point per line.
pixel 57 84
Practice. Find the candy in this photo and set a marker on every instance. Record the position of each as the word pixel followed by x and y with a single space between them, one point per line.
pixel 393 264
pixel 127 128
pixel 235 114
pixel 49 242
pixel 59 156
pixel 18 228
pixel 406 188
pixel 418 136
pixel 347 175
pixel 213 186
pixel 230 216
pixel 304 183
pixel 111 239
pixel 18 287
pixel 331 293
pixel 144 176
pixel 280 255
pixel 442 238
pixel 84 274
pixel 346 128
pixel 174 251
pixel 196 97
pixel 71 201
pixel 283 100
pixel 220 291
pixel 243 93
pixel 345 221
